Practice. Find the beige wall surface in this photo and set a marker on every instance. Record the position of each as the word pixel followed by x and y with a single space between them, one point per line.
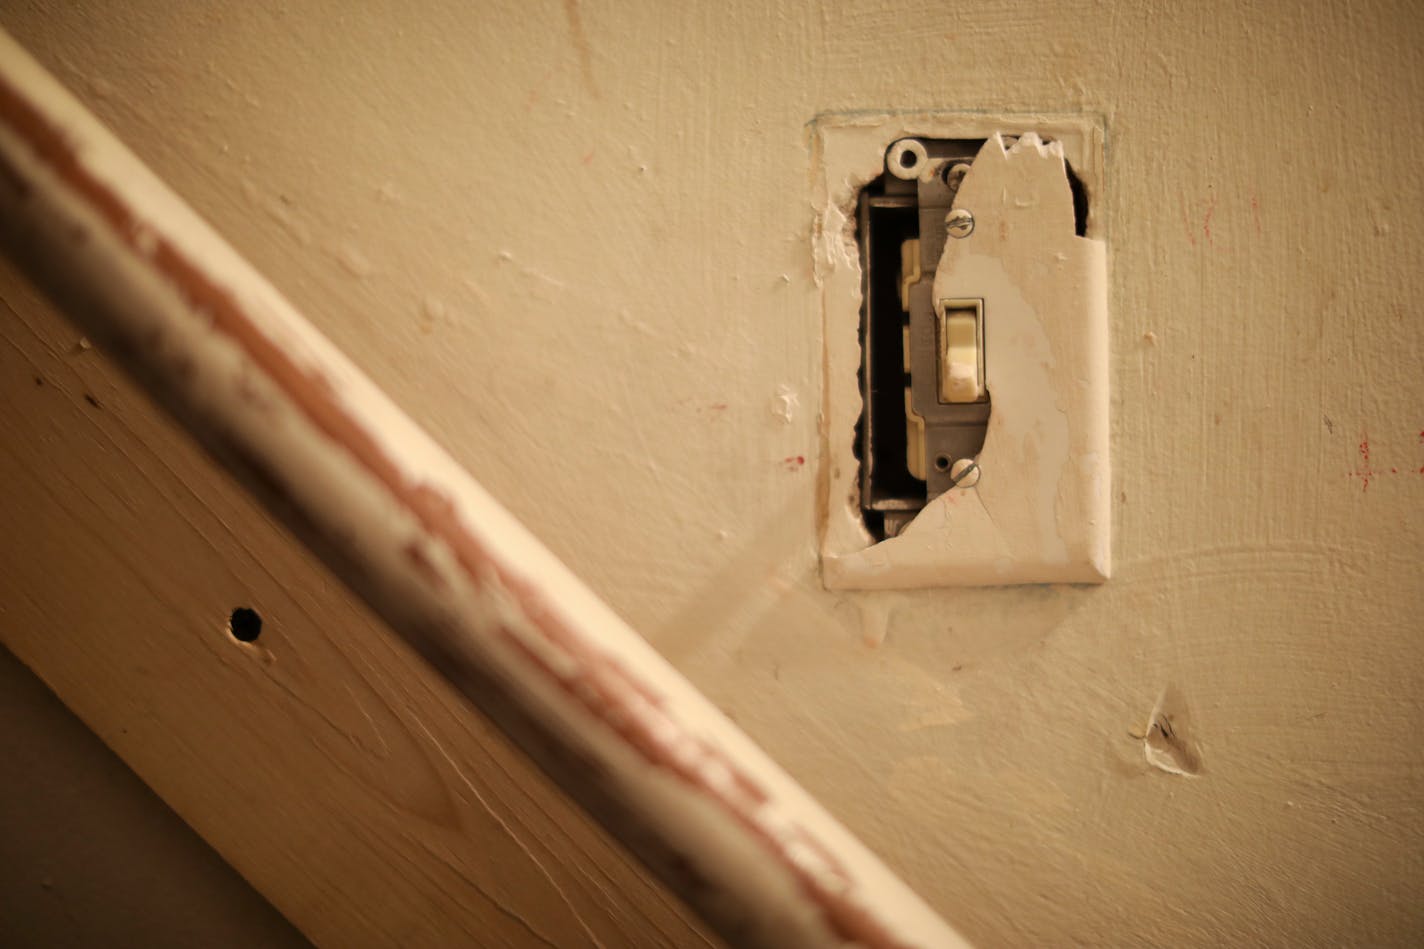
pixel 574 239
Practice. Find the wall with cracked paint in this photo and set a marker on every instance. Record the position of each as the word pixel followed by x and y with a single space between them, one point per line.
pixel 574 240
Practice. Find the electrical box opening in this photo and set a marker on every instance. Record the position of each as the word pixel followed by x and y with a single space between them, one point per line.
pixel 925 397
pixel 925 404
pixel 966 350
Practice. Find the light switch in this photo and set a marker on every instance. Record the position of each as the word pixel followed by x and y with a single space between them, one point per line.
pixel 966 412
pixel 961 347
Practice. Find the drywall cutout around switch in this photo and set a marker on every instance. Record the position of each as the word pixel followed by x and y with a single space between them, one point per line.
pixel 963 280
pixel 925 406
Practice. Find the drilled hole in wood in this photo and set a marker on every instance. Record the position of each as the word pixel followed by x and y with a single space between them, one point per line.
pixel 244 624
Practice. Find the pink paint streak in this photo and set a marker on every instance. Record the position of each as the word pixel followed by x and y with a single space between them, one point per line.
pixel 611 694
pixel 1365 472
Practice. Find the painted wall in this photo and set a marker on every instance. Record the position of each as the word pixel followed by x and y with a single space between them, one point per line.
pixel 574 240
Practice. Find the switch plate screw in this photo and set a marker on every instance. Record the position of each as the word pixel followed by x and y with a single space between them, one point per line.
pixel 964 473
pixel 954 175
pixel 959 223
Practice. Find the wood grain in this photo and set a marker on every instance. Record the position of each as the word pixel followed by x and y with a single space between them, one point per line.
pixel 432 828
pixel 413 535
pixel 1260 213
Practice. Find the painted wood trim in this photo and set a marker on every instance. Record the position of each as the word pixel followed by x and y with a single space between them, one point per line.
pixel 625 735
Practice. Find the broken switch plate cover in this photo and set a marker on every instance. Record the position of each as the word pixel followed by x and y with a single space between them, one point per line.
pixel 963 283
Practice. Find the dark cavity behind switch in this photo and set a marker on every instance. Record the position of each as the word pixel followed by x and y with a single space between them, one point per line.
pixel 906 204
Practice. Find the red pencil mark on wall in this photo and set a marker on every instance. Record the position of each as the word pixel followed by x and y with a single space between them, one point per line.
pixel 712 412
pixel 794 462
pixel 1364 472
pixel 537 92
pixel 579 39
pixel 1189 218
pixel 1187 225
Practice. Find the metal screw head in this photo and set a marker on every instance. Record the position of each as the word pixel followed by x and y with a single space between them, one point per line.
pixel 959 223
pixel 964 473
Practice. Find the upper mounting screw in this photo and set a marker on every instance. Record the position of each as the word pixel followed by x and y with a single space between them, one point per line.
pixel 959 223
pixel 907 159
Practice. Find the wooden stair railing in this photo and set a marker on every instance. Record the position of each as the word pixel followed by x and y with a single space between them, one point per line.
pixel 411 533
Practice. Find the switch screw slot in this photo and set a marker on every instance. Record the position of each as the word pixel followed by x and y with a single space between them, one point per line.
pixel 964 473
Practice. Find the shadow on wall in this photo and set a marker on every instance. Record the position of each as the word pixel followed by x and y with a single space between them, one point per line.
pixel 89 856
